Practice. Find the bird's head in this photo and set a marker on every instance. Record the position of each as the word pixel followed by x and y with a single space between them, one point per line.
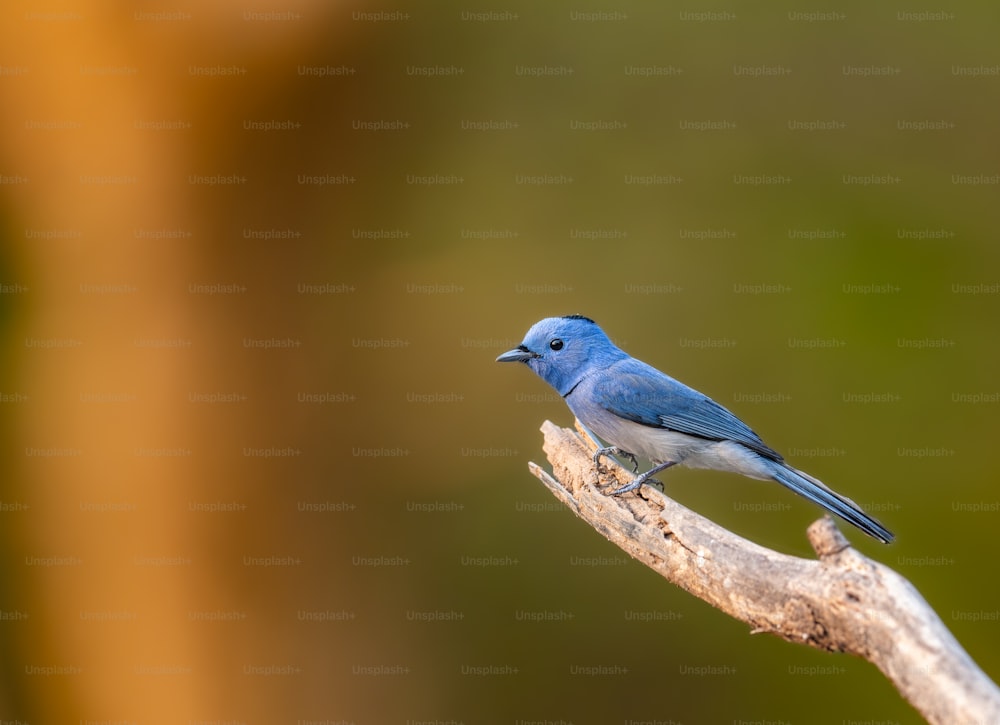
pixel 562 350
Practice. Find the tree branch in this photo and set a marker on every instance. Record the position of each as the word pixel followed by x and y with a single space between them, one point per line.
pixel 842 602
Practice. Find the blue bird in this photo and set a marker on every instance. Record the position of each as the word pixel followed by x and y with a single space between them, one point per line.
pixel 643 412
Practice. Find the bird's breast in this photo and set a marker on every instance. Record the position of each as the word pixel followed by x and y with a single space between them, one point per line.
pixel 656 444
pixel 660 445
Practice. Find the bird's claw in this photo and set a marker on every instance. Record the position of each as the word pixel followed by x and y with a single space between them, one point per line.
pixel 630 486
pixel 615 451
pixel 647 477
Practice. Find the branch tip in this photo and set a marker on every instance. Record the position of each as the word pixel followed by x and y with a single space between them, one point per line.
pixel 825 538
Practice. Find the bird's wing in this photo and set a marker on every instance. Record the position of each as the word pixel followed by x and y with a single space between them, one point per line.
pixel 641 393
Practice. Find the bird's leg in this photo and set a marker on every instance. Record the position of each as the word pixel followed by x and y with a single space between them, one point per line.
pixel 615 451
pixel 644 478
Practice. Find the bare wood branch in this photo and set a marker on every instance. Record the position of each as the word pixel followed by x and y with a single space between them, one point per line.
pixel 842 602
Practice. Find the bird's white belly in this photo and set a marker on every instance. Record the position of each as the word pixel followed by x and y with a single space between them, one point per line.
pixel 660 445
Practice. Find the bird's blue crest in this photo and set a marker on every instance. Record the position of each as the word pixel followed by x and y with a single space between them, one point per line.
pixel 565 349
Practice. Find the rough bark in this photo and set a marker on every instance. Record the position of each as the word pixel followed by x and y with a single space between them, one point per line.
pixel 841 602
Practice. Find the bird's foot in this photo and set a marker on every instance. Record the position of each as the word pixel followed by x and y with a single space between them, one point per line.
pixel 635 483
pixel 615 451
pixel 657 484
pixel 647 477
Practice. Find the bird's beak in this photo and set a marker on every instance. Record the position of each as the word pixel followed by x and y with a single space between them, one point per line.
pixel 518 354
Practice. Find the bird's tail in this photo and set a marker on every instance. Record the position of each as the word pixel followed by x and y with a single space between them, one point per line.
pixel 817 492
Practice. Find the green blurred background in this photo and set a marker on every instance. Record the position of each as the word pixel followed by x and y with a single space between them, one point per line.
pixel 260 466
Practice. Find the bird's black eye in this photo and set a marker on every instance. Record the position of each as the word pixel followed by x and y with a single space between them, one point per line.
pixel 556 344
